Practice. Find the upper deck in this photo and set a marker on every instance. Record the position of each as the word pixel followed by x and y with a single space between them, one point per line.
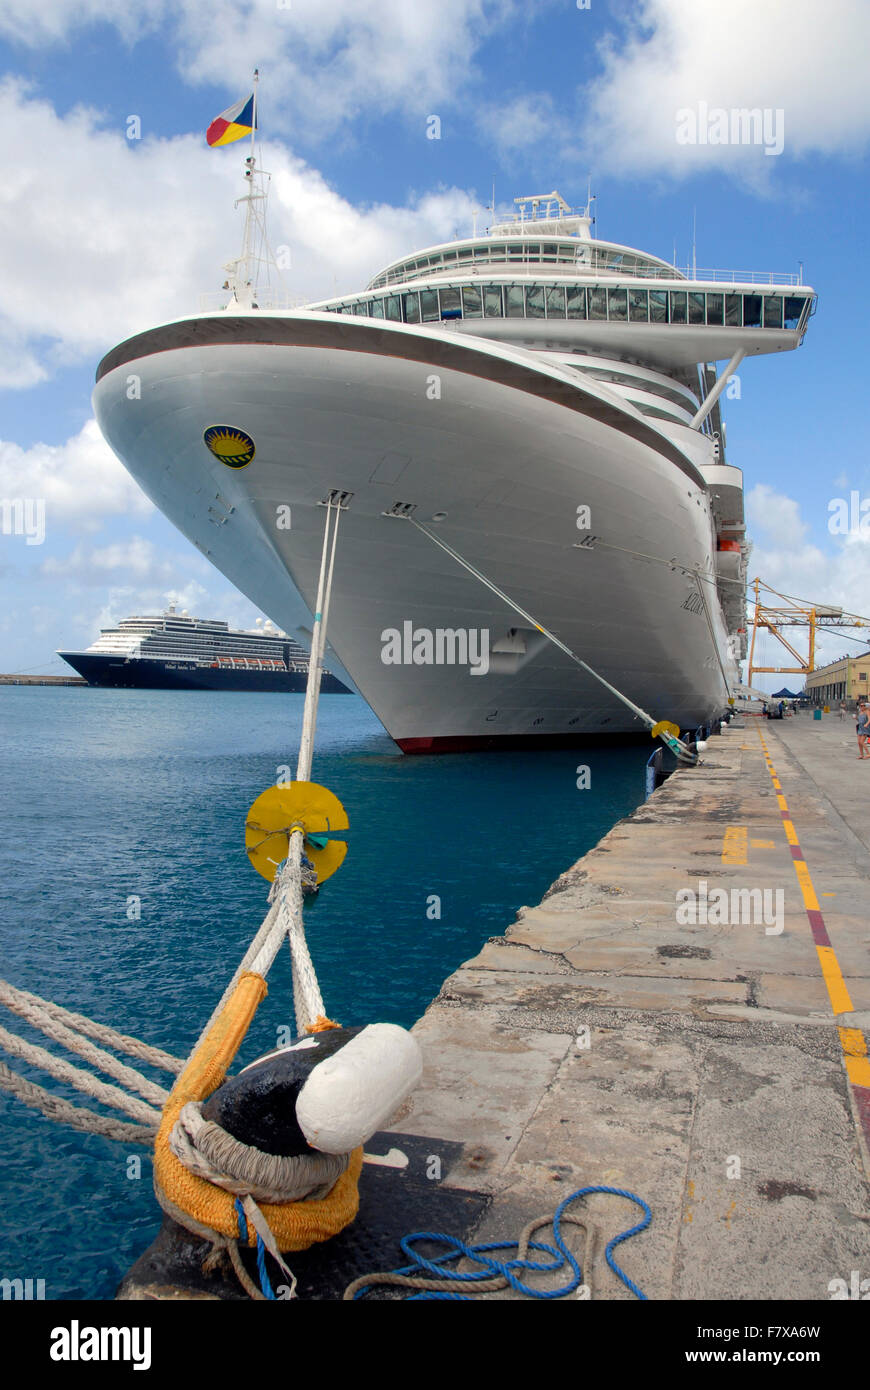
pixel 667 327
pixel 545 234
pixel 541 280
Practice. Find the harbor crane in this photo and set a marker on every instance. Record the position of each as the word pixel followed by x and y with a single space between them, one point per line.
pixel 777 611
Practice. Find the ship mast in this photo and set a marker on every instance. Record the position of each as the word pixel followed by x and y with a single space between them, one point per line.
pixel 243 274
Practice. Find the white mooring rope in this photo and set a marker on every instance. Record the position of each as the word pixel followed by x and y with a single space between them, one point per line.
pixel 211 1152
pixel 67 1028
pixel 17 1002
pixel 54 1108
pixel 284 917
pixel 677 746
pixel 82 1080
pixel 16 999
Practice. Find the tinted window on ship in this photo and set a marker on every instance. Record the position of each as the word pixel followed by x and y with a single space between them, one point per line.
pixel 616 304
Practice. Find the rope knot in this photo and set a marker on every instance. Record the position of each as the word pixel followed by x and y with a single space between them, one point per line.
pixel 321 1025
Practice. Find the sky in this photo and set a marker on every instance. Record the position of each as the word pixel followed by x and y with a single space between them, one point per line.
pixel 115 215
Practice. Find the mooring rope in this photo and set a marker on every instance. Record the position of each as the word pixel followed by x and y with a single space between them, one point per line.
pixel 76 1116
pixel 318 644
pixel 15 999
pixel 284 918
pixel 68 1028
pixel 209 1151
pixel 104 1061
pixel 676 745
pixel 286 892
pixel 197 1163
pixel 74 1076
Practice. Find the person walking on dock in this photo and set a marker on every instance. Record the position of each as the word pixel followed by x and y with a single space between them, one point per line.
pixel 863 728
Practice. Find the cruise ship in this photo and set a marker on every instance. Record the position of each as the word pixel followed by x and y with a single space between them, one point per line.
pixel 173 651
pixel 545 403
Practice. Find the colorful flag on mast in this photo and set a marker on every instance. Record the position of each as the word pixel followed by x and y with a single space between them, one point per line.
pixel 233 124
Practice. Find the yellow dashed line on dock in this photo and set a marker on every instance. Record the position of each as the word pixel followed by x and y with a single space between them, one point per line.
pixel 841 1000
pixel 808 892
pixel 735 844
pixel 855 1050
pixel 852 1040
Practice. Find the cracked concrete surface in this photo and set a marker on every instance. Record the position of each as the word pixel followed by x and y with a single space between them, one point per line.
pixel 599 1041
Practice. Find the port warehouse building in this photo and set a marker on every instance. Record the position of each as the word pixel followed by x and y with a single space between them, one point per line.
pixel 846 679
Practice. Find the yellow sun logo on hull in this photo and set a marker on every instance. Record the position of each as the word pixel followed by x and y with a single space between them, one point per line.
pixel 231 446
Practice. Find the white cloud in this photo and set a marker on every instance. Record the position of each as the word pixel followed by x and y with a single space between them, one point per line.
pixel 329 239
pixel 322 61
pixel 95 587
pixel 19 367
pixel 80 481
pixel 805 58
pixel 119 235
pixel 52 20
pixel 123 600
pixel 207 597
pixel 777 517
pixel 133 559
pixel 78 621
pixel 523 122
pixel 784 558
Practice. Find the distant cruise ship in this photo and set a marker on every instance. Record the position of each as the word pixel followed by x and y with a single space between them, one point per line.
pixel 173 651
pixel 546 402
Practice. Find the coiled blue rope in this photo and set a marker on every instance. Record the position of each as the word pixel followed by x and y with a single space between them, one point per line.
pixel 265 1285
pixel 507 1269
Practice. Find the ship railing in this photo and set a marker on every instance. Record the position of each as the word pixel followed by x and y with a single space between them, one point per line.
pixel 737 277
pixel 551 265
pixel 214 300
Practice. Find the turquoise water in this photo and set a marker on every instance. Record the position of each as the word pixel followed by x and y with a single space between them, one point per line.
pixel 113 794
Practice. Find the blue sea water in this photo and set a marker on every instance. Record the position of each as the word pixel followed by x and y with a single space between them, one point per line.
pixel 107 795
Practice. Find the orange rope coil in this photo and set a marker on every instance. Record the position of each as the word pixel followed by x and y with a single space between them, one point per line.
pixel 295 1225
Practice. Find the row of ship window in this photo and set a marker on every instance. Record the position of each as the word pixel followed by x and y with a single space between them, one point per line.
pixel 205 645
pixel 622 305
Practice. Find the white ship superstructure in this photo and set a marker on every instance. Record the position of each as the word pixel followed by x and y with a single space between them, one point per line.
pixel 547 403
pixel 174 636
pixel 173 650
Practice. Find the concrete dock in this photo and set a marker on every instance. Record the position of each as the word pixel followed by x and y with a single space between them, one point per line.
pixel 42 680
pixel 717 1069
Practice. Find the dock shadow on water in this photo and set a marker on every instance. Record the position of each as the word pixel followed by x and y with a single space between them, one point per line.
pixel 127 896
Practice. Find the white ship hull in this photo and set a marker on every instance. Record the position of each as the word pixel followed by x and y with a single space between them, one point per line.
pixel 507 446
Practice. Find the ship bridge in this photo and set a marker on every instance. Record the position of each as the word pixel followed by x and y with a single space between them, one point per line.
pixel 545 232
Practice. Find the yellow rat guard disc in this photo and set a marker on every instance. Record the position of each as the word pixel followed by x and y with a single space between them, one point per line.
pixel 665 726
pixel 276 810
